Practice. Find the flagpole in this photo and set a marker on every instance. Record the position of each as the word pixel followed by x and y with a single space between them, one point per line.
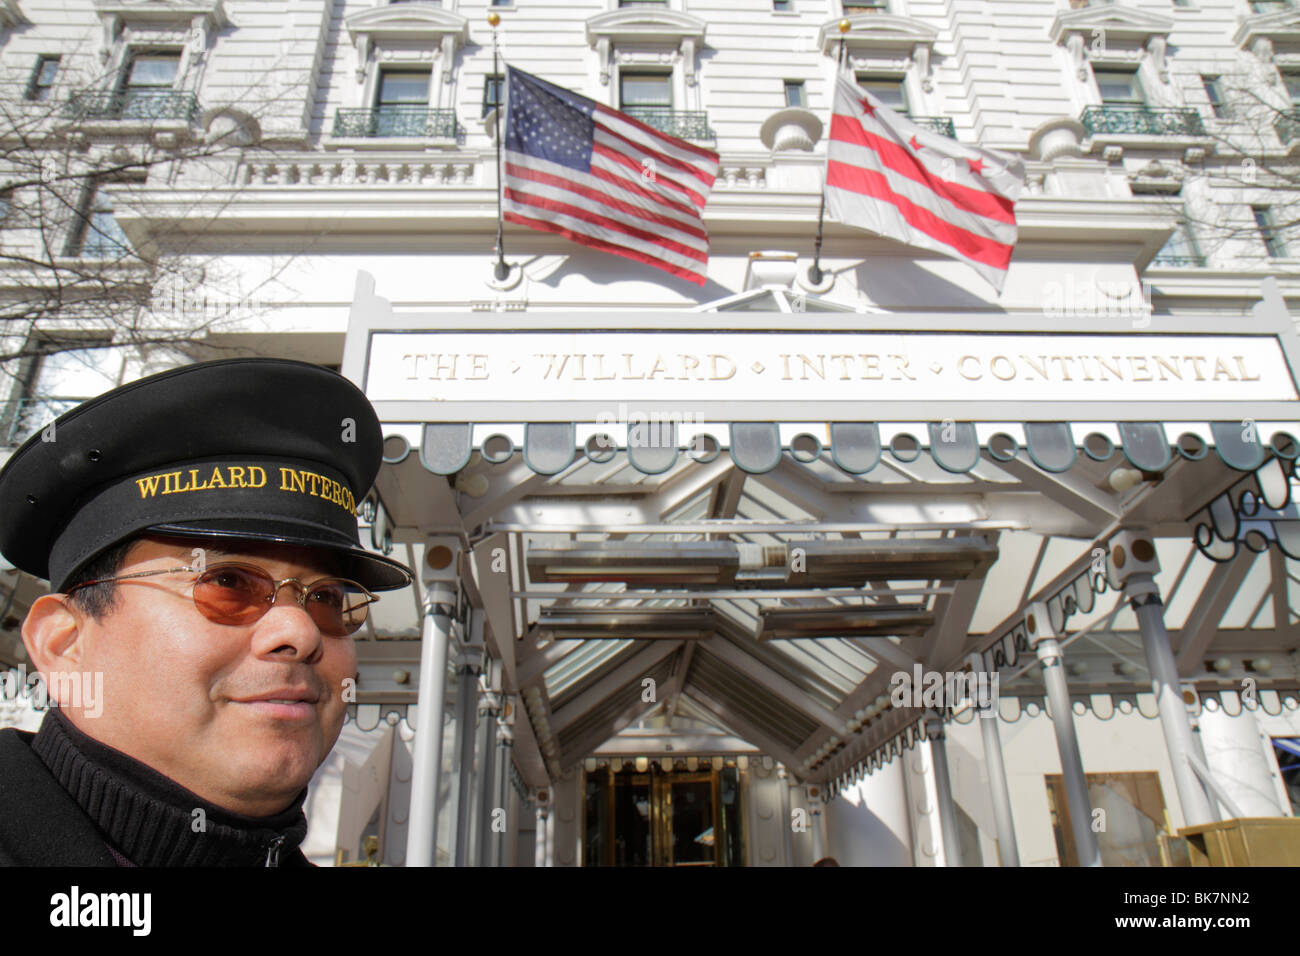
pixel 815 273
pixel 501 269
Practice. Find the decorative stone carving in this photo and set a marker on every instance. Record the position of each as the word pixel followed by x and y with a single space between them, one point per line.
pixel 1062 136
pixel 1113 33
pixel 904 40
pixel 410 26
pixel 791 129
pixel 1157 177
pixel 190 21
pixel 1261 34
pixel 639 30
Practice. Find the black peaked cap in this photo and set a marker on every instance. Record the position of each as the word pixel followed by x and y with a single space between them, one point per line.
pixel 254 448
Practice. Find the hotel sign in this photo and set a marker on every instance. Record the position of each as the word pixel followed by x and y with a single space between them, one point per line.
pixel 474 376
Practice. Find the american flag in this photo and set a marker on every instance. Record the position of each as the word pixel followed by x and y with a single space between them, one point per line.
pixel 903 181
pixel 599 177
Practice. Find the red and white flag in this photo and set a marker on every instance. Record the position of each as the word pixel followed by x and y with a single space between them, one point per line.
pixel 886 174
pixel 596 176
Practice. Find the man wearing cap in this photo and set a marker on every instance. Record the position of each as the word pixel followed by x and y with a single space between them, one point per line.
pixel 198 530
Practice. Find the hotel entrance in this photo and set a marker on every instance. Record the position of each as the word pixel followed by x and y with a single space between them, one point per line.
pixel 643 815
pixel 683 618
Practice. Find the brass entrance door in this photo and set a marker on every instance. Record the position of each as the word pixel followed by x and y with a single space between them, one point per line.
pixel 685 807
pixel 659 818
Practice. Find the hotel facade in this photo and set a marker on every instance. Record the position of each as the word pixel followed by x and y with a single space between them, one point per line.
pixel 874 564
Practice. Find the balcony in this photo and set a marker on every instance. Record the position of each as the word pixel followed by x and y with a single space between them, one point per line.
pixel 680 123
pixel 147 106
pixel 1287 127
pixel 936 124
pixel 396 121
pixel 1141 121
pixel 26 416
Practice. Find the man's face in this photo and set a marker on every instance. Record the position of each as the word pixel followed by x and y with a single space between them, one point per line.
pixel 195 700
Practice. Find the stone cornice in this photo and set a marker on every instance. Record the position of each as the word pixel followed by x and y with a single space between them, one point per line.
pixel 1119 22
pixel 1259 33
pixel 414 21
pixel 880 31
pixel 643 25
pixel 164 11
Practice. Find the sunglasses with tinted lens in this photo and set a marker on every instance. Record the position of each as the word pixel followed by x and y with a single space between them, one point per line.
pixel 239 594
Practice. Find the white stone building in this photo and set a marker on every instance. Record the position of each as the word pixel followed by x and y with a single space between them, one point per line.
pixel 345 214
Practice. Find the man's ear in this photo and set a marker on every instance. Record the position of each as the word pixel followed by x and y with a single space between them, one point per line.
pixel 52 634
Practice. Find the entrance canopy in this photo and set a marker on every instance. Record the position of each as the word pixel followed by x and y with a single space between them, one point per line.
pixel 731 532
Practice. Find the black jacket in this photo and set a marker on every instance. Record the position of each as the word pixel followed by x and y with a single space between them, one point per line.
pixel 62 795
pixel 40 823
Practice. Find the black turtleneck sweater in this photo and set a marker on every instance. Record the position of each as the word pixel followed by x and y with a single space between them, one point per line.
pixel 146 819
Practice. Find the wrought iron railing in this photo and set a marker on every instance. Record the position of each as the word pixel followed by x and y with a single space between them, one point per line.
pixel 1287 127
pixel 396 121
pixel 1142 121
pixel 684 124
pixel 939 124
pixel 146 105
pixel 26 416
pixel 1180 262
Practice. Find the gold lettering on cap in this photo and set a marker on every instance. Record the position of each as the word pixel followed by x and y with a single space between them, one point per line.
pixel 148 486
pixel 296 480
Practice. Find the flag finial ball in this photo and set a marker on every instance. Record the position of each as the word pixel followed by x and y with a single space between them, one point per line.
pixel 844 26
pixel 494 18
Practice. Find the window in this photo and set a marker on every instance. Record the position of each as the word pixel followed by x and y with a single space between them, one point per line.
pixel 794 95
pixel 492 90
pixel 96 234
pixel 1214 92
pixel 643 3
pixel 1269 232
pixel 866 6
pixel 64 373
pixel 1119 88
pixel 888 89
pixel 42 81
pixel 1288 762
pixel 1292 82
pixel 503 3
pixel 151 71
pixel 1269 6
pixel 147 82
pixel 782 6
pixel 401 102
pixel 1180 249
pixel 1134 807
pixel 645 90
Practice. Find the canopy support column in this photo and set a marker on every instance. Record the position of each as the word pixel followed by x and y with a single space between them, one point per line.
pixel 467 709
pixel 1008 849
pixel 484 781
pixel 815 824
pixel 505 761
pixel 422 832
pixel 1144 597
pixel 787 822
pixel 943 787
pixel 1050 657
pixel 539 843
